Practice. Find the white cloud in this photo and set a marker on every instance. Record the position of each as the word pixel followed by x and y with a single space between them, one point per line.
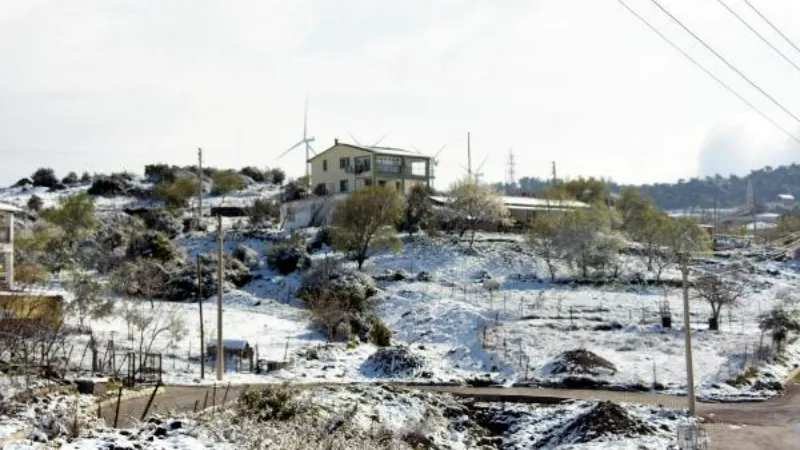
pixel 106 85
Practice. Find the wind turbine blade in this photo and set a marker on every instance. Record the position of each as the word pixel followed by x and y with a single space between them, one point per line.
pixel 478 170
pixel 436 155
pixel 305 117
pixel 379 140
pixel 415 149
pixel 354 139
pixel 292 148
pixel 310 147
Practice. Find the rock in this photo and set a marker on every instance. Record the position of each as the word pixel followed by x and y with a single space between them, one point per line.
pixel 425 276
pixel 579 362
pixel 175 425
pixel 160 432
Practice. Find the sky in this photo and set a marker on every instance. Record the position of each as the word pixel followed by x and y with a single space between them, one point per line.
pixel 112 85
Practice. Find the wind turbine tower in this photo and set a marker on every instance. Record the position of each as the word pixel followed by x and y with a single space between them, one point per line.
pixel 511 176
pixel 306 140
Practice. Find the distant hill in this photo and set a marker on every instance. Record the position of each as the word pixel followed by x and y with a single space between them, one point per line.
pixel 729 191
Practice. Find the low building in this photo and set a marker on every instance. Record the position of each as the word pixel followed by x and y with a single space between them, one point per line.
pixel 344 168
pixel 7 245
pixel 236 353
pixel 524 209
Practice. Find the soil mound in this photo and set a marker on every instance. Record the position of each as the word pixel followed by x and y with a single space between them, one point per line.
pixel 579 362
pixel 393 362
pixel 606 419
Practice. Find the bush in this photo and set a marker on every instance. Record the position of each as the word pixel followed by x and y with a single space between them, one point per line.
pixel 269 403
pixel 276 176
pixel 287 256
pixel 261 211
pixel 71 179
pixel 151 244
pixel 246 255
pixel 22 182
pixel 157 173
pixel 254 173
pixel 35 203
pixel 225 182
pixel 320 190
pixel 379 333
pixel 161 220
pixel 294 190
pixel 176 193
pixel 86 178
pixel 44 176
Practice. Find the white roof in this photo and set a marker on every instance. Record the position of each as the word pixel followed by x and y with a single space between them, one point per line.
pixel 380 150
pixel 786 196
pixel 9 208
pixel 529 203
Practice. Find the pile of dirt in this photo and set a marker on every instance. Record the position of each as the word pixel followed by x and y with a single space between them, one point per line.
pixel 579 362
pixel 393 362
pixel 606 419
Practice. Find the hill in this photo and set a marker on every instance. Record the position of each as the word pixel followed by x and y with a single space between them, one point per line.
pixel 729 192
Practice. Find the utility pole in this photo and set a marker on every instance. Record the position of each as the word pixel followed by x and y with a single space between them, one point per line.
pixel 469 158
pixel 553 165
pixel 202 333
pixel 199 188
pixel 220 280
pixel 688 333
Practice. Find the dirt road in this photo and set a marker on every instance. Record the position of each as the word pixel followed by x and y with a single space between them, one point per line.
pixel 770 425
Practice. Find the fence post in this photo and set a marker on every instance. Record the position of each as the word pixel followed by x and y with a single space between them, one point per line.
pixel 116 413
pixel 150 401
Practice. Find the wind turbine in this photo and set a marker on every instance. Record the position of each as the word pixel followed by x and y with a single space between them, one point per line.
pixel 434 159
pixel 477 174
pixel 373 145
pixel 307 140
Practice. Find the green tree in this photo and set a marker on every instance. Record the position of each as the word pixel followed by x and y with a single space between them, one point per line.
pixel 365 220
pixel 543 237
pixel 225 182
pixel 176 194
pixel 780 322
pixel 75 214
pixel 418 209
pixel 476 204
pixel 35 203
pixel 88 300
pixel 261 211
pixel 44 176
pixel 70 179
pixel 579 235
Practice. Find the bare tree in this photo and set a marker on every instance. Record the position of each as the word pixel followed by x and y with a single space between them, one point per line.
pixel 475 204
pixel 718 292
pixel 163 319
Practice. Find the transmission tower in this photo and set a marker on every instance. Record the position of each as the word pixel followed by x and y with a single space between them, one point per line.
pixel 511 176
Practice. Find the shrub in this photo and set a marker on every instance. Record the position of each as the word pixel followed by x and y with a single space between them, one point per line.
pixel 320 190
pixel 276 176
pixel 225 182
pixel 176 193
pixel 379 333
pixel 246 255
pixel 151 244
pixel 161 220
pixel 160 172
pixel 254 173
pixel 287 256
pixel 86 178
pixel 35 203
pixel 22 182
pixel 294 190
pixel 269 403
pixel 261 211
pixel 71 179
pixel 44 176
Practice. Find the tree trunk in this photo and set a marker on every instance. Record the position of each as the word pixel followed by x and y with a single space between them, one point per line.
pixel 472 238
pixel 713 323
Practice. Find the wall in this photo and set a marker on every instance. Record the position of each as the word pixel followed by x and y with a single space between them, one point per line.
pixel 6 249
pixel 302 213
pixel 334 174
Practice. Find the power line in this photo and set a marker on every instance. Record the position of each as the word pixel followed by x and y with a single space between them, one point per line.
pixel 709 73
pixel 760 36
pixel 724 60
pixel 777 30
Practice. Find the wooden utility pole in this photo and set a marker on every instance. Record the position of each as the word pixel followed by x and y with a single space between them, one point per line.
pixel 202 332
pixel 553 169
pixel 688 333
pixel 469 157
pixel 199 188
pixel 220 280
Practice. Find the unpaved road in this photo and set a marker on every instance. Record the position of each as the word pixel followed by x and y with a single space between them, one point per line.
pixel 770 425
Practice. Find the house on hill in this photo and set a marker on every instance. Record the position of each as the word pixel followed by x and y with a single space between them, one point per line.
pixel 344 168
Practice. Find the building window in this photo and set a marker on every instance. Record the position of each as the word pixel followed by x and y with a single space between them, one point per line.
pixel 392 164
pixel 418 168
pixel 324 165
pixel 367 182
pixel 343 186
pixel 362 164
pixel 344 163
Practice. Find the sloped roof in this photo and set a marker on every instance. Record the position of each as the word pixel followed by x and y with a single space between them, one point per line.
pixel 373 149
pixel 230 344
pixel 528 203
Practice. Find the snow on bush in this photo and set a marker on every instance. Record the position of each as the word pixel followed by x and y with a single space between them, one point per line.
pixel 394 362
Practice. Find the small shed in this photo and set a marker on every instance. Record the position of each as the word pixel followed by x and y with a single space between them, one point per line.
pixel 235 351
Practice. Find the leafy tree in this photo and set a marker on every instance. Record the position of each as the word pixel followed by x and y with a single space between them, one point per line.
pixel 780 322
pixel 475 204
pixel 225 182
pixel 365 220
pixel 157 173
pixel 718 292
pixel 418 209
pixel 579 233
pixel 588 190
pixel 29 275
pixel 544 238
pixel 88 300
pixel 294 190
pixel 176 193
pixel 45 177
pixel 254 173
pixel 74 214
pixel 35 203
pixel 71 179
pixel 86 178
pixel 261 211
pixel 277 176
